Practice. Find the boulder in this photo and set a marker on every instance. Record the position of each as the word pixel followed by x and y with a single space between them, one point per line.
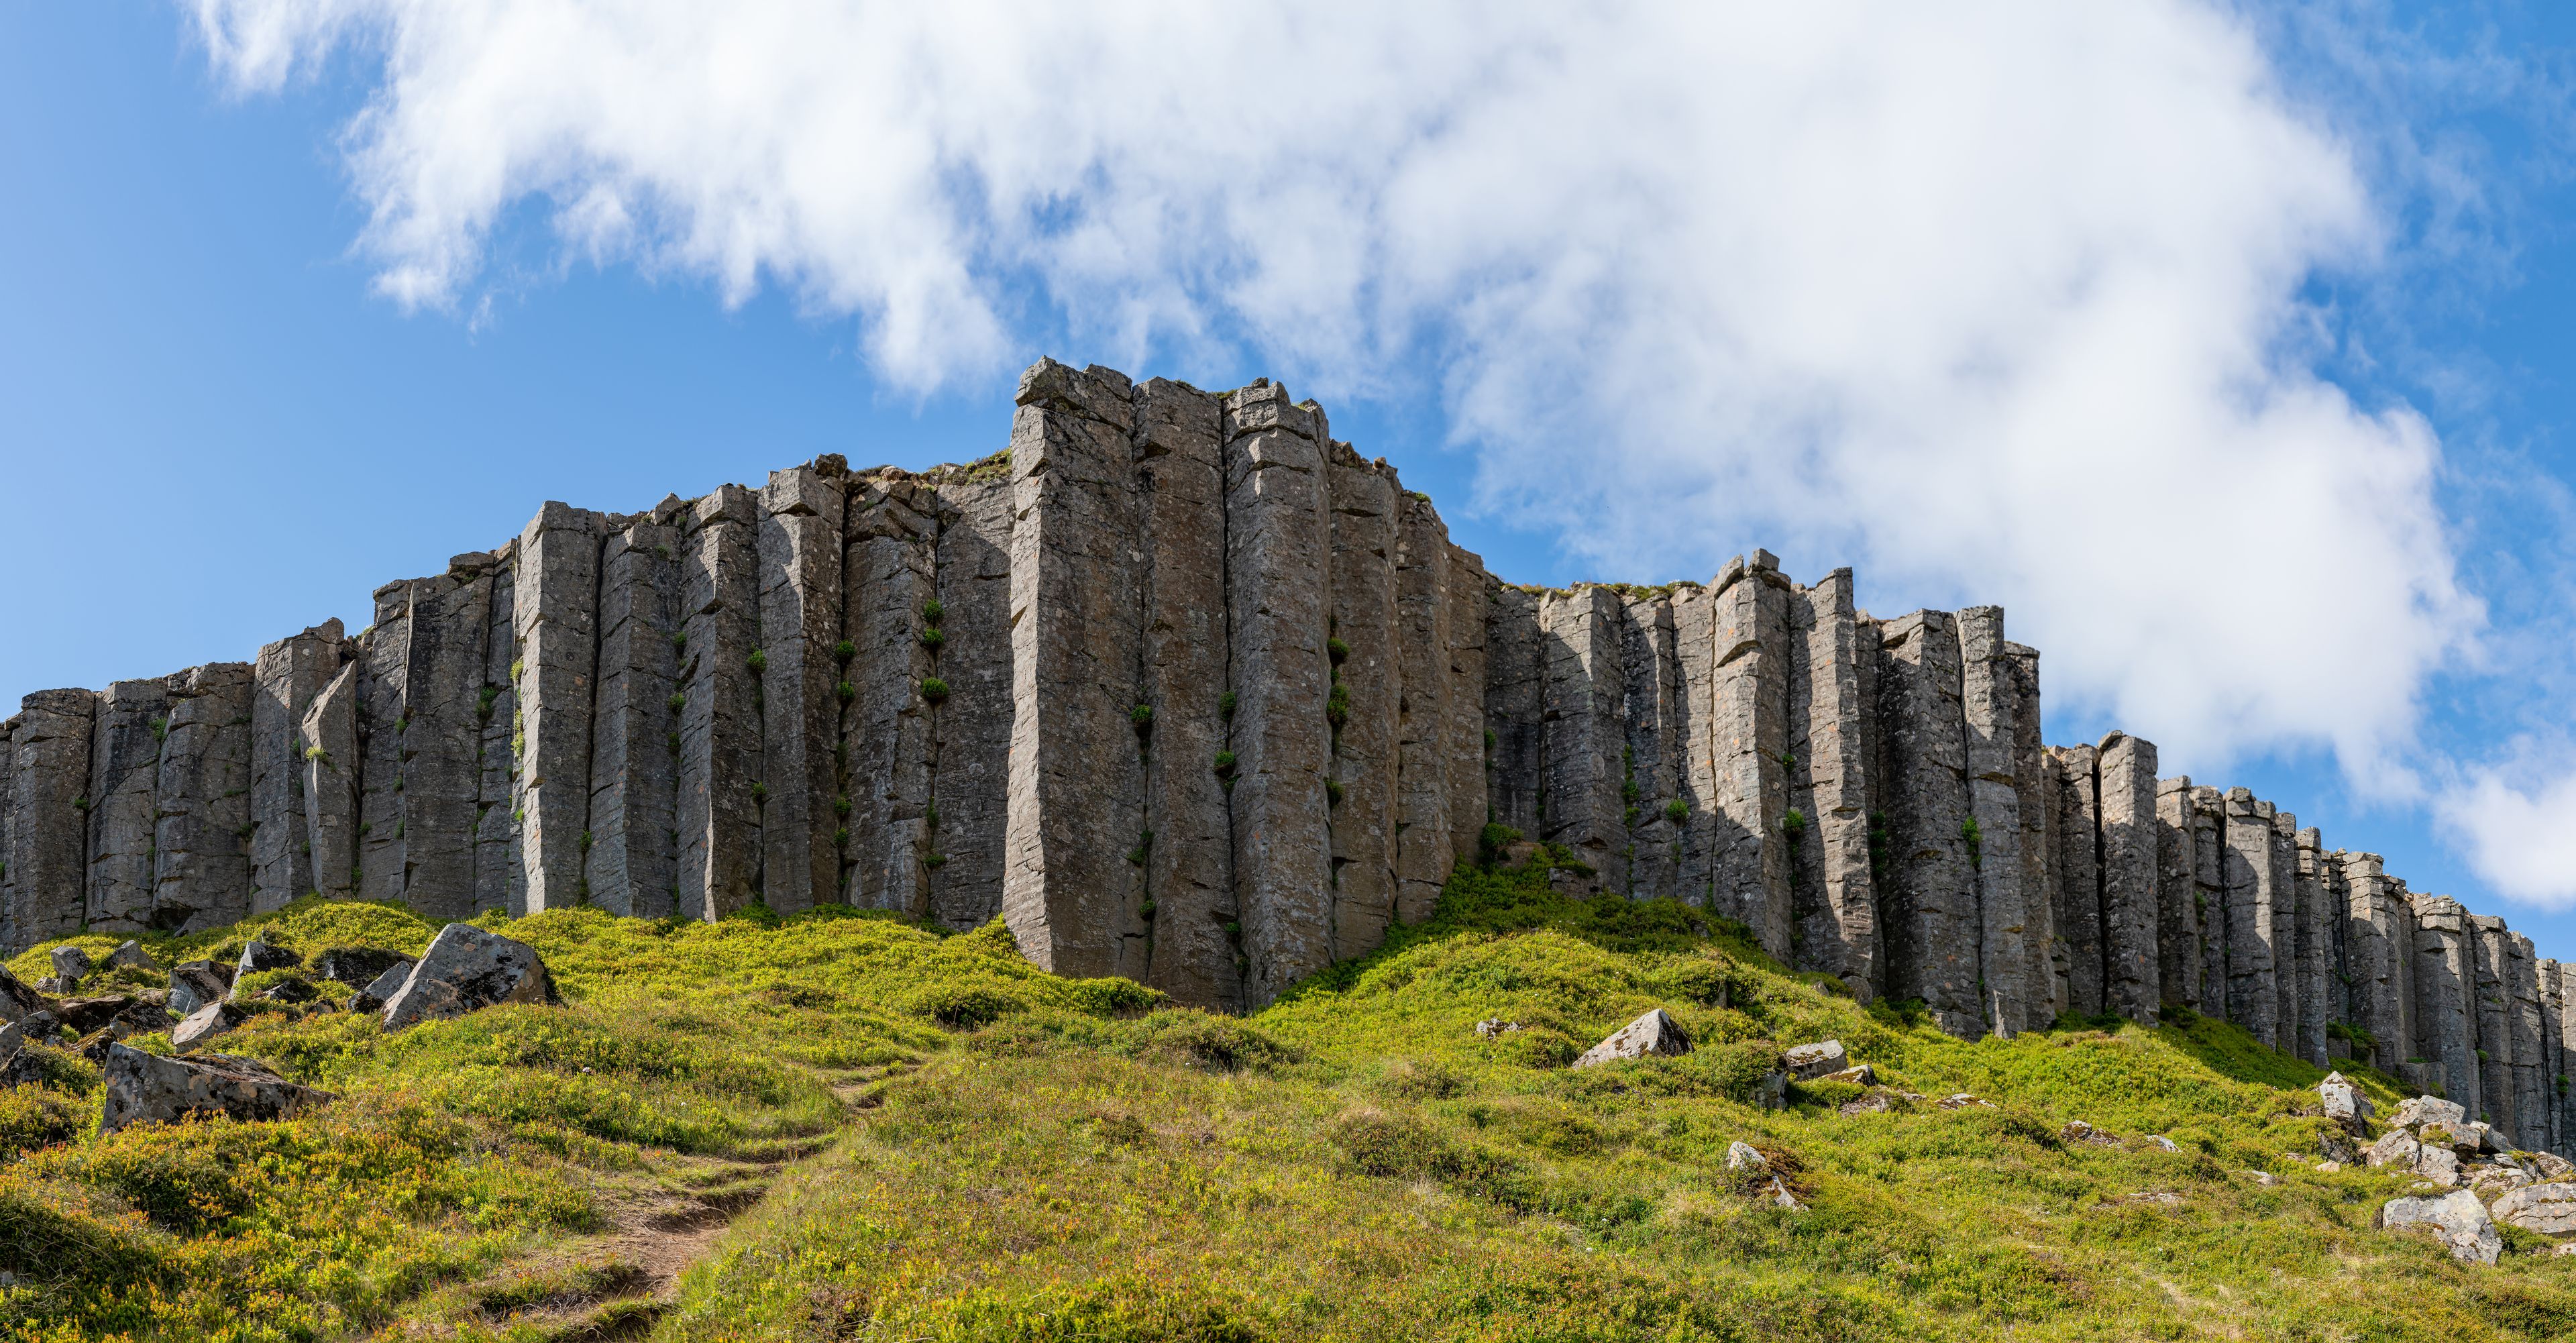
pixel 2549 1209
pixel 2344 1103
pixel 72 963
pixel 16 999
pixel 467 968
pixel 384 986
pixel 1962 1100
pixel 2461 1138
pixel 2551 1166
pixel 2077 1130
pixel 1743 1156
pixel 131 952
pixel 2428 1110
pixel 58 985
pixel 29 1064
pixel 11 1036
pixel 84 1015
pixel 2456 1219
pixel 2162 1143
pixel 355 966
pixel 1778 1195
pixel 1492 1028
pixel 2492 1181
pixel 196 984
pixel 289 991
pixel 1859 1074
pixel 2440 1165
pixel 216 973
pixel 2396 1147
pixel 1654 1035
pixel 148 1089
pixel 2336 1145
pixel 205 1024
pixel 261 954
pixel 1876 1102
pixel 1809 1062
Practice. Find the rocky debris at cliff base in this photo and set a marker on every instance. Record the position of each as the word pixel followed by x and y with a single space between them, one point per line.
pixel 205 1024
pixel 2344 1103
pixel 1812 1062
pixel 71 963
pixel 131 953
pixel 2424 1110
pixel 356 966
pixel 467 968
pixel 2551 1166
pixel 2549 1209
pixel 2492 1182
pixel 197 983
pixel 2457 1220
pixel 2396 1147
pixel 17 1000
pixel 149 1089
pixel 382 987
pixel 1495 1027
pixel 1654 1035
pixel 57 985
pixel 1859 1074
pixel 2440 1165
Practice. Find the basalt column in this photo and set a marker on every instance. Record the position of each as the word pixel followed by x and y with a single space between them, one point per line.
pixel 1515 689
pixel 2445 989
pixel 891 582
pixel 971 732
pixel 201 866
pixel 124 768
pixel 2253 989
pixel 556 607
pixel 2209 897
pixel 2316 946
pixel 500 877
pixel 2562 1085
pixel 329 732
pixel 1586 734
pixel 719 847
pixel 441 734
pixel 1277 594
pixel 1362 701
pixel 1077 804
pixel 1749 740
pixel 2381 941
pixel 1695 711
pixel 2178 930
pixel 2035 789
pixel 800 559
pixel 2125 783
pixel 2285 928
pixel 2491 949
pixel 383 655
pixel 2077 895
pixel 1838 900
pixel 48 793
pixel 1934 927
pixel 288 674
pixel 1189 856
pixel 1464 595
pixel 2532 1057
pixel 1425 836
pixel 632 867
pixel 1651 782
pixel 1991 705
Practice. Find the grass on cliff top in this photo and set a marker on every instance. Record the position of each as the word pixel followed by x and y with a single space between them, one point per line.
pixel 1014 1156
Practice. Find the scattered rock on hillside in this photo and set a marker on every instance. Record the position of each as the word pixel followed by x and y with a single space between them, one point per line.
pixel 1495 1027
pixel 2264 1178
pixel 1655 1034
pixel 58 985
pixel 2456 1219
pixel 195 984
pixel 2396 1147
pixel 148 1089
pixel 2490 1182
pixel 1859 1074
pixel 205 1024
pixel 2428 1110
pixel 1876 1102
pixel 467 968
pixel 16 999
pixel 2076 1130
pixel 2344 1103
pixel 1810 1062
pixel 84 1015
pixel 2162 1143
pixel 261 954
pixel 382 987
pixel 1778 1195
pixel 2336 1145
pixel 1962 1100
pixel 28 1064
pixel 2440 1165
pixel 2551 1166
pixel 71 963
pixel 1743 1156
pixel 131 952
pixel 355 966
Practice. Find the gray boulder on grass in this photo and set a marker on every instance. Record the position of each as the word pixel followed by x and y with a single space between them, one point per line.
pixel 71 963
pixel 1809 1062
pixel 2549 1209
pixel 205 1024
pixel 148 1089
pixel 384 986
pixel 131 952
pixel 467 968
pixel 2456 1219
pixel 2428 1110
pixel 261 954
pixel 16 999
pixel 1655 1034
pixel 2344 1102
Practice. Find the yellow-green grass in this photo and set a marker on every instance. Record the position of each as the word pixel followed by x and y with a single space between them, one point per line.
pixel 1010 1155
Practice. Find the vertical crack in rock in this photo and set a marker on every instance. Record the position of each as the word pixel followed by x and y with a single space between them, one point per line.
pixel 555 605
pixel 972 570
pixel 2035 801
pixel 124 770
pixel 632 866
pixel 1364 691
pixel 2125 780
pixel 201 865
pixel 1935 929
pixel 500 877
pixel 48 815
pixel 383 656
pixel 2532 1075
pixel 2445 998
pixel 1991 712
pixel 1426 842
pixel 288 674
pixel 1749 738
pixel 330 762
pixel 719 846
pixel 800 557
pixel 2079 877
pixel 2493 953
pixel 2209 889
pixel 2316 948
pixel 890 575
pixel 1830 768
pixel 1584 736
pixel 1076 793
pixel 2287 974
pixel 2178 932
pixel 441 732
pixel 1651 675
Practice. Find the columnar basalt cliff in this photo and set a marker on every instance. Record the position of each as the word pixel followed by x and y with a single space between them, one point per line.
pixel 1184 689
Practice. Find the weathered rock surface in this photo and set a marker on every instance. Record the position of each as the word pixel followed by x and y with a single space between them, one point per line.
pixel 1653 1035
pixel 1806 1062
pixel 148 1089
pixel 16 998
pixel 2457 1220
pixel 205 1024
pixel 2549 1209
pixel 467 968
pixel 2344 1103
pixel 382 988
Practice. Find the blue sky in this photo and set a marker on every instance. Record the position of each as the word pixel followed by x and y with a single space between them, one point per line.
pixel 263 352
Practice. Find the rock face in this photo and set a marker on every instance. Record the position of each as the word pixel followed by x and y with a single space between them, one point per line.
pixel 2549 1209
pixel 2344 1103
pixel 465 969
pixel 1807 1062
pixel 148 1089
pixel 1655 1034
pixel 2457 1220
pixel 1184 688
pixel 205 1023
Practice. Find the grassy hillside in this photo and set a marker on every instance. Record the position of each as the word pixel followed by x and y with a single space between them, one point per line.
pixel 842 1126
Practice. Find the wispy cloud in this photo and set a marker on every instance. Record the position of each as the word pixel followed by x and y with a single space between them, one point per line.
pixel 2000 302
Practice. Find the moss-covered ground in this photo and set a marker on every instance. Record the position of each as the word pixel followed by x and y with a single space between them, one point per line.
pixel 849 1127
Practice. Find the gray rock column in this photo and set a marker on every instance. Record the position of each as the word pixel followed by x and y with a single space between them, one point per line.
pixel 2316 946
pixel 1362 499
pixel 719 848
pixel 971 732
pixel 2532 1058
pixel 2209 896
pixel 1277 535
pixel 891 575
pixel 555 603
pixel 2382 940
pixel 441 729
pixel 2178 928
pixel 1695 711
pixel 2253 893
pixel 1466 594
pixel 1990 698
pixel 2491 952
pixel 2035 792
pixel 799 547
pixel 1426 840
pixel 1189 864
pixel 2125 785
pixel 330 760
pixel 632 867
pixel 2285 928
pixel 2561 1085
pixel 1838 910
pixel 201 871
pixel 1651 673
pixel 288 674
pixel 1749 740
pixel 1515 696
pixel 2446 1027
pixel 1077 804
pixel 1586 733
pixel 49 801
pixel 384 654
pixel 1934 931
pixel 2078 895
pixel 124 768
pixel 500 875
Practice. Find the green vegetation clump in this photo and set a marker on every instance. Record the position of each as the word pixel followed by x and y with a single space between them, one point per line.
pixel 917 1134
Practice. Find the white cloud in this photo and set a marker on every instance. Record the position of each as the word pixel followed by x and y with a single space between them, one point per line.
pixel 1998 301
